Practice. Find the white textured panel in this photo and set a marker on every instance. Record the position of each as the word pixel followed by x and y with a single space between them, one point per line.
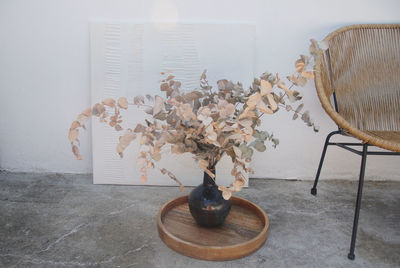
pixel 126 60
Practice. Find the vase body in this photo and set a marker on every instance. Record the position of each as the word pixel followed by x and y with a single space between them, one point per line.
pixel 206 204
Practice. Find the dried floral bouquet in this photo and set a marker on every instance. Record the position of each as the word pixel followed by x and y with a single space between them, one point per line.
pixel 204 122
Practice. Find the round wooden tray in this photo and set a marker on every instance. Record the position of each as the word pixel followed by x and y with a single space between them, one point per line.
pixel 243 232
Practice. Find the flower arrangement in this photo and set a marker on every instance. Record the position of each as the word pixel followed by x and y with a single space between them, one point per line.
pixel 205 122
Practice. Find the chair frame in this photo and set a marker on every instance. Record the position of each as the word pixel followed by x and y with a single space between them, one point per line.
pixel 344 128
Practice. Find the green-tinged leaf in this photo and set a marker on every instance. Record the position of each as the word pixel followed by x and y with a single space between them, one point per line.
pixel 275 142
pixel 261 135
pixel 138 100
pixel 298 109
pixel 259 146
pixel 247 152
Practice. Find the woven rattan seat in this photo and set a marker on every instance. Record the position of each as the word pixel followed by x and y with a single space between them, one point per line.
pixel 358 83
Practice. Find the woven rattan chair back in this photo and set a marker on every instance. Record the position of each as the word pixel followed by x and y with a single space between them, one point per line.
pixel 362 67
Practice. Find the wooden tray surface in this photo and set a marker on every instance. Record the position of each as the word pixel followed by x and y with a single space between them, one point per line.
pixel 243 232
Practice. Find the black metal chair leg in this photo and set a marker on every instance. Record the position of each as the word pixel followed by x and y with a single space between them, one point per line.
pixel 351 255
pixel 314 188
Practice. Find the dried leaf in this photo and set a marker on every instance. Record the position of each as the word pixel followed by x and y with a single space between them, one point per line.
pixel 164 86
pixel 123 103
pixel 272 102
pixel 158 105
pixel 149 97
pixel 87 112
pixel 298 109
pixel 82 119
pixel 284 87
pixel 265 88
pixel 247 113
pixel 264 108
pixel 226 109
pixel 75 150
pixel 138 100
pixel 308 74
pixel 178 148
pixel 143 178
pixel 73 135
pixel 75 125
pixel 300 67
pixel 254 100
pixel 226 195
pixel 148 110
pixel 98 109
pixel 109 102
pixel 139 128
pixel 259 146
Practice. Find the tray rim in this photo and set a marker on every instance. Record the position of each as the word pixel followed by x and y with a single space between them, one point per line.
pixel 216 252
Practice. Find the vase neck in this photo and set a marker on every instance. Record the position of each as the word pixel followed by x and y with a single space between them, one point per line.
pixel 207 180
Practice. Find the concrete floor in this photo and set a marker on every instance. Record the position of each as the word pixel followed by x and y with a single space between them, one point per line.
pixel 58 220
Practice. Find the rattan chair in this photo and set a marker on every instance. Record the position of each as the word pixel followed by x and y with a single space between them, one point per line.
pixel 358 83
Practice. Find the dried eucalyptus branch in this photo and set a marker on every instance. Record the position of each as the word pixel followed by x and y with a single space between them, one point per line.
pixel 203 122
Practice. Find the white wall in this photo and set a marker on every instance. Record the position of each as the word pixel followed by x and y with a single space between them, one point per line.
pixel 44 75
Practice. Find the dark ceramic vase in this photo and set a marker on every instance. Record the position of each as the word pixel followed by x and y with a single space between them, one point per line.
pixel 207 205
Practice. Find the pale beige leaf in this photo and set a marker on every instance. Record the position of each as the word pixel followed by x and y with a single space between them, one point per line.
pixel 143 178
pixel 73 135
pixel 226 195
pixel 264 108
pixel 239 183
pixel 203 164
pixel 253 100
pixel 139 128
pixel 138 100
pixel 87 112
pixel 123 103
pixel 141 161
pixel 247 123
pixel 237 151
pixel 212 136
pixel 75 150
pixel 109 102
pixel 284 87
pixel 120 149
pixel 300 67
pixel 158 105
pixel 127 138
pixel 226 109
pixel 74 125
pixel 272 102
pixel 247 113
pixel 178 148
pixel 82 119
pixel 266 87
pixel 308 74
pixel 148 110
